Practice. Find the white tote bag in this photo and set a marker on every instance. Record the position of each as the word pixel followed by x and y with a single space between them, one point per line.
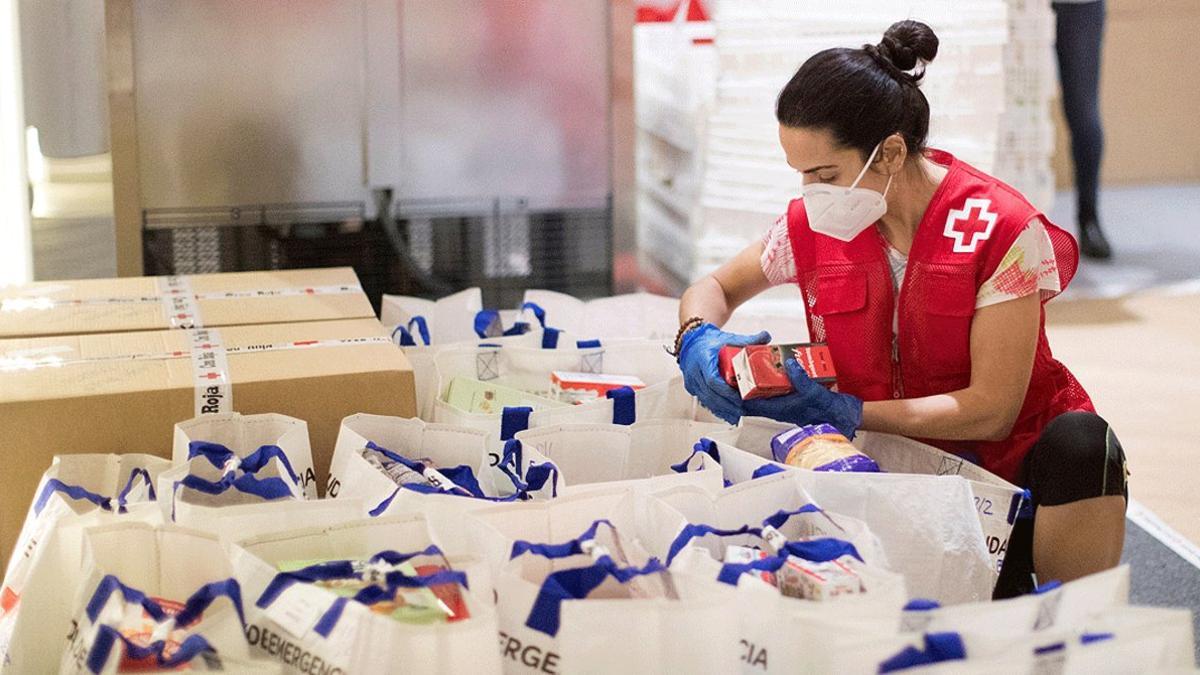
pixel 647 455
pixel 49 595
pixel 154 598
pixel 648 524
pixel 780 502
pixel 289 608
pixel 447 320
pixel 245 434
pixel 998 503
pixel 769 621
pixel 1061 606
pixel 500 471
pixel 665 400
pixel 528 369
pixel 634 315
pixel 73 487
pixel 928 525
pixel 213 477
pixel 558 602
pixel 423 360
pixel 1117 640
pixel 239 521
pixel 461 460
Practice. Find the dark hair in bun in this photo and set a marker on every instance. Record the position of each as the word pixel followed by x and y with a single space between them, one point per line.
pixel 864 95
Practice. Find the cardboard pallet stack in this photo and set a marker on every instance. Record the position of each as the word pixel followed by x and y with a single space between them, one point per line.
pixel 102 366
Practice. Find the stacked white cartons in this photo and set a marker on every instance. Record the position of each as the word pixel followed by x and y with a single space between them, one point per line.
pixel 1026 144
pixel 675 79
pixel 747 183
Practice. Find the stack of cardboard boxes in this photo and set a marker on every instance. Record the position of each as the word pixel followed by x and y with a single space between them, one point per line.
pixel 102 366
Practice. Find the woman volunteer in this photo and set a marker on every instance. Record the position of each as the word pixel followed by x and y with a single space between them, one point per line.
pixel 926 277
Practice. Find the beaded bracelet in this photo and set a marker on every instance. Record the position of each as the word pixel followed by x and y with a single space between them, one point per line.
pixel 688 325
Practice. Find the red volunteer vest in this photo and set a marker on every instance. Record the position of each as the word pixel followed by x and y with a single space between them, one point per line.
pixel 963 237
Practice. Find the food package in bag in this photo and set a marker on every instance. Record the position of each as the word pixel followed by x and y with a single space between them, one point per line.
pixel 365 596
pixel 156 598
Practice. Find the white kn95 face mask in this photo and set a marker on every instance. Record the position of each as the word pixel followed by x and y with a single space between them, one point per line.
pixel 844 212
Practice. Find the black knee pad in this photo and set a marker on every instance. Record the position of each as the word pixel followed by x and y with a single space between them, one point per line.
pixel 1077 457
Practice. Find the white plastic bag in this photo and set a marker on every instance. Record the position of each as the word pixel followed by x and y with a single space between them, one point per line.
pixel 245 434
pixel 315 626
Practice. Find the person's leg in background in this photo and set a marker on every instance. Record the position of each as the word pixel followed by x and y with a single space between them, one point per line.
pixel 1076 475
pixel 1078 41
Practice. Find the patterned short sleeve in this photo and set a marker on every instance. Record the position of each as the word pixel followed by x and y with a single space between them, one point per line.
pixel 1029 267
pixel 778 265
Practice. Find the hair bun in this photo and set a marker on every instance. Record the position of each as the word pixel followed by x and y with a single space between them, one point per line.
pixel 907 46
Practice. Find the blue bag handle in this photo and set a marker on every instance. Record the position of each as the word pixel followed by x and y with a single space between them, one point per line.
pixel 333 569
pixel 939 647
pixel 624 405
pixel 577 584
pixel 471 488
pixel 74 492
pixel 487 323
pixel 192 610
pixel 536 476
pixel 79 493
pixel 704 446
pixel 814 550
pixel 777 519
pixel 514 420
pixel 565 549
pixel 690 532
pixel 107 636
pixel 375 594
pixel 406 336
pixel 766 470
pixel 372 594
pixel 218 455
pixel 123 495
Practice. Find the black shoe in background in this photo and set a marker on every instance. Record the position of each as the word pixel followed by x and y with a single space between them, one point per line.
pixel 1092 242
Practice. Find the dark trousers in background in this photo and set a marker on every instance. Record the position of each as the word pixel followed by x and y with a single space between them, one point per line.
pixel 1079 36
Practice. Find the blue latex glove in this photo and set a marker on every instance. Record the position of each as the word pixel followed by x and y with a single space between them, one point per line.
pixel 701 376
pixel 811 403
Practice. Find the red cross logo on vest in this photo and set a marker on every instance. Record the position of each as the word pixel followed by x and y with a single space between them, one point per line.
pixel 970 225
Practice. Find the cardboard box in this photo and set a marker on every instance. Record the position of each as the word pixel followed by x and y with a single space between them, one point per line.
pixel 757 371
pixel 125 392
pixel 154 303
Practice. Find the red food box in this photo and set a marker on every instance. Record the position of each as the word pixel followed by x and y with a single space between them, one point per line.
pixel 757 371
